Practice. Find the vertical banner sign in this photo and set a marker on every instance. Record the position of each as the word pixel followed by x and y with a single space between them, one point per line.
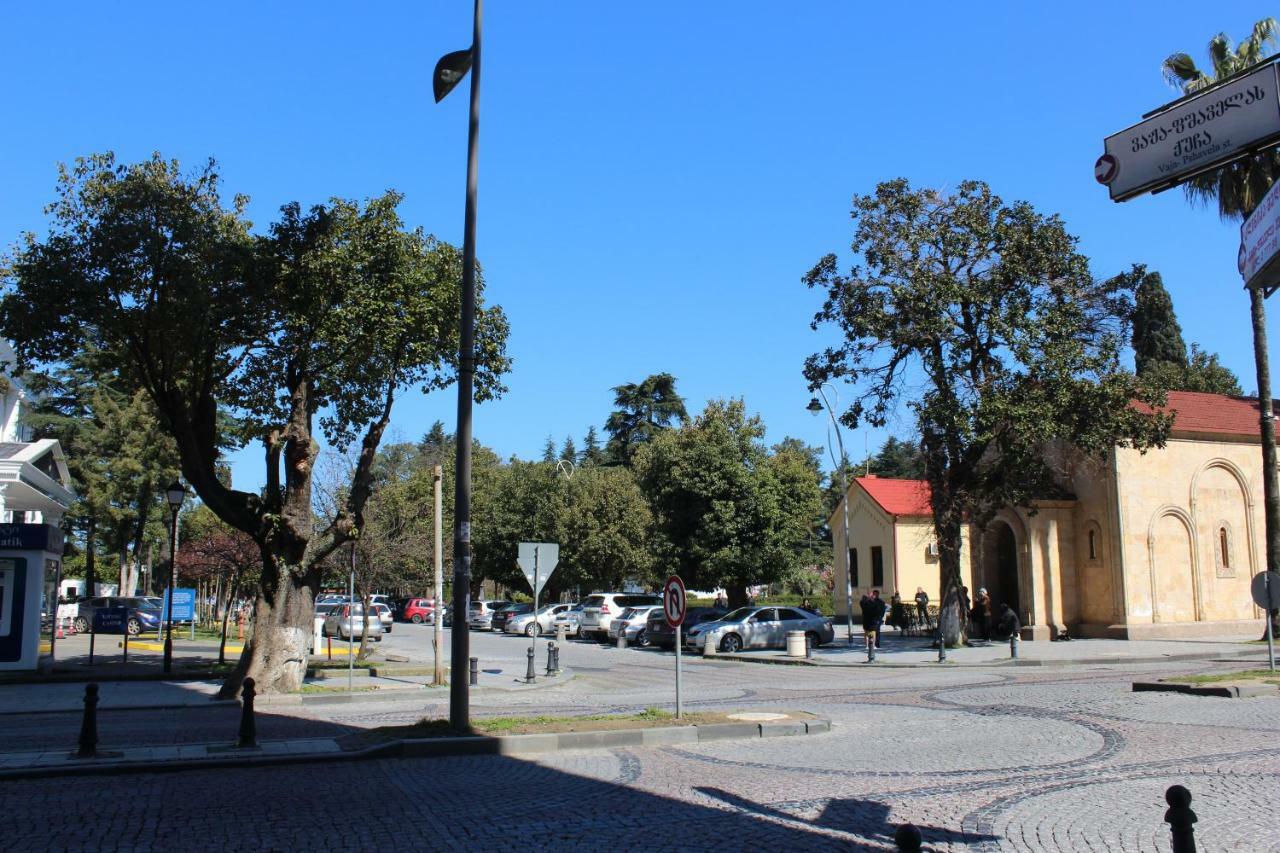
pixel 674 607
pixel 1260 242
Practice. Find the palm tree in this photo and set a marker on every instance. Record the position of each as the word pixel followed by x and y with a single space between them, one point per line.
pixel 644 410
pixel 1238 188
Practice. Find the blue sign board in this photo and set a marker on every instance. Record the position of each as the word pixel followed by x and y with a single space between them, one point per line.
pixel 110 620
pixel 184 605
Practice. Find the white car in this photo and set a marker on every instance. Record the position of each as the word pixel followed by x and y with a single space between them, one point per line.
pixel 569 619
pixel 600 608
pixel 385 615
pixel 538 622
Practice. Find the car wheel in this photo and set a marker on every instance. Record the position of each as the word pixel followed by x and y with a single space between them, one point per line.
pixel 642 639
pixel 813 638
pixel 417 619
pixel 731 643
pixel 133 626
pixel 82 625
pixel 533 630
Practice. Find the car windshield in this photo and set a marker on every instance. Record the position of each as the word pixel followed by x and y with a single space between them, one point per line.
pixel 142 603
pixel 593 601
pixel 738 615
pixel 547 608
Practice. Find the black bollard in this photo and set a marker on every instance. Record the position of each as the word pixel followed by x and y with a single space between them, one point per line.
pixel 89 724
pixel 529 676
pixel 248 725
pixel 551 658
pixel 1180 818
pixel 908 838
pixel 475 671
pixel 808 646
pixel 942 648
pixel 1013 646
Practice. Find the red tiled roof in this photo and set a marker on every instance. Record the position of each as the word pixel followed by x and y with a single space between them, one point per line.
pixel 1218 414
pixel 898 497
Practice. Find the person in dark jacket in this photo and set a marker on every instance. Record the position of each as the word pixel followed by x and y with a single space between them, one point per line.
pixel 981 616
pixel 1006 623
pixel 873 609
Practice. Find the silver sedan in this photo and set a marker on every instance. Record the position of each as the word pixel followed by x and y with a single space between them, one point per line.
pixel 538 622
pixel 760 628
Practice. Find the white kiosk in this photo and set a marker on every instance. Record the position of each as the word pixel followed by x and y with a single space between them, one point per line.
pixel 30 569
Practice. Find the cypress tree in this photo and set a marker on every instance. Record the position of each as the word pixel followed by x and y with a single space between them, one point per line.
pixel 1157 337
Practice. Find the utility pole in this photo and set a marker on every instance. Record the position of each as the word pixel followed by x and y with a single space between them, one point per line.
pixel 438 680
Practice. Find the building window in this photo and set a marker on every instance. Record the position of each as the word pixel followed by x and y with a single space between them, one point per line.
pixel 853 566
pixel 1222 556
pixel 1093 544
pixel 1226 551
pixel 877 566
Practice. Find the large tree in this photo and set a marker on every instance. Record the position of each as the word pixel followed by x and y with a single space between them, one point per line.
pixel 1159 353
pixel 1237 188
pixel 326 317
pixel 730 513
pixel 986 321
pixel 643 410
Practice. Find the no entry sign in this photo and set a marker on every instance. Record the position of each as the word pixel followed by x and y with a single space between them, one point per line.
pixel 673 601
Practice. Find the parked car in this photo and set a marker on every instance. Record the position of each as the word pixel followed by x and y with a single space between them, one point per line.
pixel 569 619
pixel 760 628
pixel 419 610
pixel 143 612
pixel 537 622
pixel 384 615
pixel 663 635
pixel 631 623
pixel 600 608
pixel 480 618
pixel 503 615
pixel 347 622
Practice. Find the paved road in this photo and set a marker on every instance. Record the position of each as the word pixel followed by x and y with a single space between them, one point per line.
pixel 1064 759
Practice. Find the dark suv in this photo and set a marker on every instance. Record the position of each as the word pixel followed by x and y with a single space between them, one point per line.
pixel 663 636
pixel 143 613
pixel 503 616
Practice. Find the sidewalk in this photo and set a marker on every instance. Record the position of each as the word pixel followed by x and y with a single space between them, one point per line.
pixel 916 651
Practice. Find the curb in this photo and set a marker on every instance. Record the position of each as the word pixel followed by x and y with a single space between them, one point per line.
pixel 1222 691
pixel 509 745
pixel 882 664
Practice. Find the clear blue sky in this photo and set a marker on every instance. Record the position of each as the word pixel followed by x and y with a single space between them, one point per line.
pixel 655 177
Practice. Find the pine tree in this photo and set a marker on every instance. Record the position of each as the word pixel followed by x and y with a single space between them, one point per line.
pixel 1157 337
pixel 591 452
pixel 568 452
pixel 549 450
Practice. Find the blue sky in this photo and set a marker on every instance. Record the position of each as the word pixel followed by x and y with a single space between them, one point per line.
pixel 655 177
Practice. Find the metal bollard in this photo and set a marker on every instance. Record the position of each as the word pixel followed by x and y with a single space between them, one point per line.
pixel 1013 646
pixel 908 838
pixel 551 658
pixel 1180 818
pixel 89 724
pixel 871 647
pixel 556 658
pixel 529 676
pixel 248 725
pixel 562 633
pixel 622 639
pixel 808 646
pixel 475 671
pixel 942 648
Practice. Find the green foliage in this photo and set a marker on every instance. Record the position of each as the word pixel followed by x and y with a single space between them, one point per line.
pixel 591 452
pixel 1157 337
pixel 643 411
pixel 1008 343
pixel 729 513
pixel 568 453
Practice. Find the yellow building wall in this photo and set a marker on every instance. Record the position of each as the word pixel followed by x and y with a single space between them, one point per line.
pixel 1178 507
pixel 917 568
pixel 868 526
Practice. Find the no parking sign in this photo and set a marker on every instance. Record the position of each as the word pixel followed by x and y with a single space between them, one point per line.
pixel 674 601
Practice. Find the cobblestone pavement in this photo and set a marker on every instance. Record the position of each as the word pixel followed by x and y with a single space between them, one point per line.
pixel 980 759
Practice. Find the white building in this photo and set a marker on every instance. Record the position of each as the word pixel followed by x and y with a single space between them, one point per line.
pixel 35 486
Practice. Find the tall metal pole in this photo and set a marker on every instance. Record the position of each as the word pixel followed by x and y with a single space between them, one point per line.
pixel 460 646
pixel 1270 482
pixel 438 616
pixel 844 502
pixel 351 623
pixel 173 584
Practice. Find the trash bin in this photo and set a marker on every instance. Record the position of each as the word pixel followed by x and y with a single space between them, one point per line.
pixel 795 644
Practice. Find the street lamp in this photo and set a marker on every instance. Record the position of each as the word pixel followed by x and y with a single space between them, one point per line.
pixel 448 73
pixel 816 408
pixel 175 494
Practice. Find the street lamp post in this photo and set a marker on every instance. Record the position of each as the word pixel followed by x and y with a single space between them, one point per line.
pixel 816 408
pixel 448 73
pixel 174 494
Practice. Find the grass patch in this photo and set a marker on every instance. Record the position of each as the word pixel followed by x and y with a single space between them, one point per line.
pixel 342 664
pixel 324 688
pixel 1266 676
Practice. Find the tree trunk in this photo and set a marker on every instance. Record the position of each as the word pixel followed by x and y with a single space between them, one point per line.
pixel 737 594
pixel 275 654
pixel 226 617
pixel 952 617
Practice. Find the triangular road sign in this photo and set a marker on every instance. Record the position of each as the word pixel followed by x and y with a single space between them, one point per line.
pixel 538 560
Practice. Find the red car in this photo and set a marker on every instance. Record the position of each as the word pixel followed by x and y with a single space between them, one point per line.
pixel 419 610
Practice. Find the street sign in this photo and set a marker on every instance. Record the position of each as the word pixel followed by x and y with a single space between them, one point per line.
pixel 1193 135
pixel 184 605
pixel 1260 243
pixel 674 601
pixel 1105 169
pixel 1260 590
pixel 110 620
pixel 538 560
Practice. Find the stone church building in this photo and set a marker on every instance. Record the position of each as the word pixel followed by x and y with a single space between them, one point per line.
pixel 1161 544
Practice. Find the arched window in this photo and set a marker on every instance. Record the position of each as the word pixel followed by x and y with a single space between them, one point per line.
pixel 1093 544
pixel 1222 548
pixel 1226 549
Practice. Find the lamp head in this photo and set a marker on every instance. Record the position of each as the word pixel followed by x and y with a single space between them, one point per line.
pixel 175 494
pixel 450 70
pixel 814 407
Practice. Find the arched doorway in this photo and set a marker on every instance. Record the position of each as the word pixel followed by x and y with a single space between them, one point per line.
pixel 1002 578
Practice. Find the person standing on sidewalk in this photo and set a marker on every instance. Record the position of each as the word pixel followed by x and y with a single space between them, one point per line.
pixel 873 608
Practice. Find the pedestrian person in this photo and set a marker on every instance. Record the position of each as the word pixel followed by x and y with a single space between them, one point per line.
pixel 922 605
pixel 805 605
pixel 897 613
pixel 1007 623
pixel 721 603
pixel 981 615
pixel 873 609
